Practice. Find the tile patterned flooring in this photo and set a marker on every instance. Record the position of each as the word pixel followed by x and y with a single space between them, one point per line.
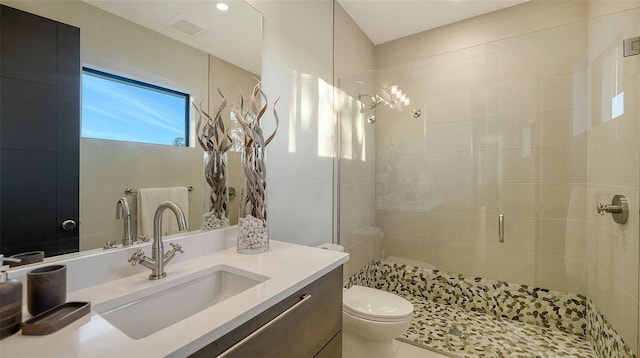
pixel 484 336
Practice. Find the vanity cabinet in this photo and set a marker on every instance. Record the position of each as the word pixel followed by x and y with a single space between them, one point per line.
pixel 308 323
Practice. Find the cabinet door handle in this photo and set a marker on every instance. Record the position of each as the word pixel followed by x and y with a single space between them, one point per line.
pixel 233 348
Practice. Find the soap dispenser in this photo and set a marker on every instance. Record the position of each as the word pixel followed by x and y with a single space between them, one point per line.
pixel 10 303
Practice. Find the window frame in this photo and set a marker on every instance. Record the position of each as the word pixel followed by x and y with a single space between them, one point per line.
pixel 129 81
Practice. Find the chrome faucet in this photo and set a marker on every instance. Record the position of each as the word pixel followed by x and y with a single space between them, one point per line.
pixel 124 212
pixel 158 257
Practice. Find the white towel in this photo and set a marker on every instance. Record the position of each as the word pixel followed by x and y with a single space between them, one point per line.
pixel 148 201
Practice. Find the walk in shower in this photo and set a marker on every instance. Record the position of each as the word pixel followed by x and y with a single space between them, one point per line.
pixel 513 128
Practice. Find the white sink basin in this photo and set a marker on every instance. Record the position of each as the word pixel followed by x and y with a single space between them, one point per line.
pixel 148 311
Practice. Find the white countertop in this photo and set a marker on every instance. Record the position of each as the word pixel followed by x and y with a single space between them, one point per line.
pixel 289 267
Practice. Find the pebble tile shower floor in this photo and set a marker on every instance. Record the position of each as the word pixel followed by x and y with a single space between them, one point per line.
pixel 456 332
pixel 466 316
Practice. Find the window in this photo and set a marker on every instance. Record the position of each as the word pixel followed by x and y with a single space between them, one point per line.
pixel 120 108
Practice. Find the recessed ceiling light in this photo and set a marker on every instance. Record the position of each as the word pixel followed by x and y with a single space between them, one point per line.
pixel 222 6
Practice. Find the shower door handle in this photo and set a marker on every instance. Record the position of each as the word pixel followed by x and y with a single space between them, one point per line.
pixel 501 227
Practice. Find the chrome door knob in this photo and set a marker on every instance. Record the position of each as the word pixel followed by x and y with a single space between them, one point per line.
pixel 69 225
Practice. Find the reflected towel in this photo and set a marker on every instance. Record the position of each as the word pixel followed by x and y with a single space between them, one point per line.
pixel 148 201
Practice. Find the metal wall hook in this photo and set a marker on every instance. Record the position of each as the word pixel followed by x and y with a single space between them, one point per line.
pixel 619 209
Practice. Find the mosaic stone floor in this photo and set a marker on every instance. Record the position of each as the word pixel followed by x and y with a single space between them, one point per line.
pixel 458 333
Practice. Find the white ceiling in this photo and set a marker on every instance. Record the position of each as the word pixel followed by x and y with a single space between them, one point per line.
pixel 234 35
pixel 386 20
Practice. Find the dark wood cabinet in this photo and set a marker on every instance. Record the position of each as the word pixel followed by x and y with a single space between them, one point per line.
pixel 39 133
pixel 306 324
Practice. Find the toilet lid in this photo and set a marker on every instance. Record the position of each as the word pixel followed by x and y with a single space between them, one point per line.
pixel 377 305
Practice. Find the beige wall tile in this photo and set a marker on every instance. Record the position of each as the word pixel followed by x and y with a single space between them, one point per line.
pixel 539 14
pixel 448 227
pixel 519 234
pixel 351 224
pixel 607 165
pixel 630 120
pixel 615 257
pixel 360 254
pixel 465 259
pixel 484 230
pixel 463 198
pixel 517 199
pixel 518 98
pixel 564 165
pixel 625 265
pixel 408 248
pixel 549 52
pixel 562 201
pixel 398 134
pixel 518 166
pixel 485 135
pixel 460 35
pixel 450 137
pixel 449 107
pixel 624 316
pixel 563 92
pixel 564 273
pixel 452 76
pixel 519 131
pixel 515 266
pixel 402 196
pixel 463 167
pixel 402 168
pixel 562 237
pixel 597 8
pixel 403 224
pixel 557 127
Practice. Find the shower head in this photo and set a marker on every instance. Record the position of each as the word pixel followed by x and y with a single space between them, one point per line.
pixel 375 101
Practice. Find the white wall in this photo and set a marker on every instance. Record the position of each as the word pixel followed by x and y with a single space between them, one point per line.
pixel 354 74
pixel 297 66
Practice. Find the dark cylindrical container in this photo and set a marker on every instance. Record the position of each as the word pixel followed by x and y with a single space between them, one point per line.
pixel 46 288
pixel 27 258
pixel 10 306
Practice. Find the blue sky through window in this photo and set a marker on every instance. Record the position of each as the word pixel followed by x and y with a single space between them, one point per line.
pixel 127 111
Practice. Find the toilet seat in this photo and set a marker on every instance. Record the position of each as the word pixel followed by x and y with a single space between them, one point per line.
pixel 376 305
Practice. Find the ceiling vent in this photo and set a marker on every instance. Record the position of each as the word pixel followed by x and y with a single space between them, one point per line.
pixel 184 26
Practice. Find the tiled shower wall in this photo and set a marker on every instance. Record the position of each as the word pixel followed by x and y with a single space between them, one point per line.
pixel 504 130
pixel 613 160
pixel 519 118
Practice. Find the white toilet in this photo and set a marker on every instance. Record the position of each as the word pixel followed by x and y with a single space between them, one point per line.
pixel 371 319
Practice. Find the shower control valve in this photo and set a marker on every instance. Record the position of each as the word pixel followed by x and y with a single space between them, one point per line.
pixel 619 209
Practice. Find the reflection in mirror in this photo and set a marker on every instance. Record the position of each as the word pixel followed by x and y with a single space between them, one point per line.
pixel 184 46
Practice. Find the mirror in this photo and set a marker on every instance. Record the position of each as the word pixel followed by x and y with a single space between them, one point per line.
pixel 187 46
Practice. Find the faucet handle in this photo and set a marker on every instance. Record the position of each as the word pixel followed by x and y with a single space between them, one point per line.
pixel 136 257
pixel 176 247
